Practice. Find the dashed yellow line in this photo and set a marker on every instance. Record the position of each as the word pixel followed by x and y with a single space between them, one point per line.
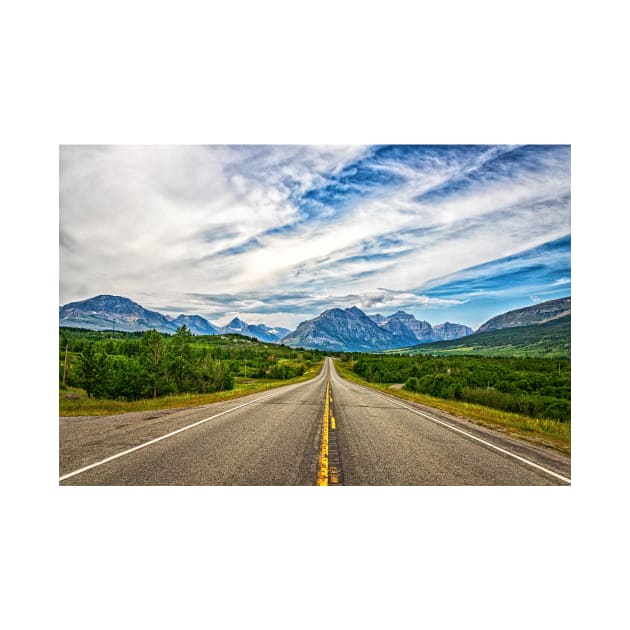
pixel 329 465
pixel 333 424
pixel 322 475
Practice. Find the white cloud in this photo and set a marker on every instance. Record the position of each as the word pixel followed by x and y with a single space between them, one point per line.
pixel 140 216
pixel 503 217
pixel 562 281
pixel 382 298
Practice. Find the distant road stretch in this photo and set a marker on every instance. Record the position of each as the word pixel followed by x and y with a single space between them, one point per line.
pixel 325 431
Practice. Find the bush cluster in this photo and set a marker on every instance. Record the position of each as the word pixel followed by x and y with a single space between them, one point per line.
pixel 535 387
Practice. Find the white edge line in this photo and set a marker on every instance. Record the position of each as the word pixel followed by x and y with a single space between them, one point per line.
pixel 158 439
pixel 470 435
pixel 474 437
pixel 167 435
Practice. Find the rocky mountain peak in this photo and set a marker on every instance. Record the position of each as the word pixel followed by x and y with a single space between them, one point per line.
pixel 236 323
pixel 112 312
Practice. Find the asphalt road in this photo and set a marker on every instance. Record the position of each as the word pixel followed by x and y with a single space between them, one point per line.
pixel 275 438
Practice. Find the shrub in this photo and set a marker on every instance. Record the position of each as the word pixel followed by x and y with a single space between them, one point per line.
pixel 412 384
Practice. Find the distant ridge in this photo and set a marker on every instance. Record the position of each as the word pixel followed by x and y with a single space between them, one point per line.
pixel 550 339
pixel 536 314
pixel 104 312
pixel 541 330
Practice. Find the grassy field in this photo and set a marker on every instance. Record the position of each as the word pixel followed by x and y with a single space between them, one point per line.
pixel 73 401
pixel 550 433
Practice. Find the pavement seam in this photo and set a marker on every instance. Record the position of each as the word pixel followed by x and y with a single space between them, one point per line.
pixel 330 472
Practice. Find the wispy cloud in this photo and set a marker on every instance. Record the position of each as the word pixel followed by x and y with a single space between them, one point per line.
pixel 537 274
pixel 325 225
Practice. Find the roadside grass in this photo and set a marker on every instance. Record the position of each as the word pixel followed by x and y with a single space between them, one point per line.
pixel 550 433
pixel 73 401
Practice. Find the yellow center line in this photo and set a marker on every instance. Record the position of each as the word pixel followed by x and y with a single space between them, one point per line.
pixel 322 476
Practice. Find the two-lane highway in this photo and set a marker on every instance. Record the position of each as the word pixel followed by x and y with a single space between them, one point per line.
pixel 276 438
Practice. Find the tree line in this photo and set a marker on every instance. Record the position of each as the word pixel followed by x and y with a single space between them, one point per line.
pixel 152 367
pixel 132 366
pixel 536 387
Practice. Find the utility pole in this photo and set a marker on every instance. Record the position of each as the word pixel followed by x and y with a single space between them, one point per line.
pixel 65 365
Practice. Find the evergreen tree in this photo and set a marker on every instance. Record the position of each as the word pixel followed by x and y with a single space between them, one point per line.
pixel 91 368
pixel 152 361
pixel 180 360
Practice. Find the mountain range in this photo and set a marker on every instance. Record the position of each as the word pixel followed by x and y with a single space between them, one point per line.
pixel 550 339
pixel 541 330
pixel 422 330
pixel 352 330
pixel 112 312
pixel 336 329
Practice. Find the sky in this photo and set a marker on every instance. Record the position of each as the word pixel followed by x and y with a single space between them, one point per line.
pixel 277 234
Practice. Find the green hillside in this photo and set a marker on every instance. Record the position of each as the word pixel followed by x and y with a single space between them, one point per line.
pixel 552 340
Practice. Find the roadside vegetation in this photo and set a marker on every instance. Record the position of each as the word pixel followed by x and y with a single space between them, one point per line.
pixel 529 398
pixel 102 372
pixel 105 372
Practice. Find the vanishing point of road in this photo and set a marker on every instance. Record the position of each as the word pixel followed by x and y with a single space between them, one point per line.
pixel 325 431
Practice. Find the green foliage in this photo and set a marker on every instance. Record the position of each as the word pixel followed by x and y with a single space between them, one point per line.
pixel 153 362
pixel 91 368
pixel 179 360
pixel 134 366
pixel 536 387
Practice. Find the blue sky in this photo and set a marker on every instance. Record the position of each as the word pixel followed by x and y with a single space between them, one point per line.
pixel 277 234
